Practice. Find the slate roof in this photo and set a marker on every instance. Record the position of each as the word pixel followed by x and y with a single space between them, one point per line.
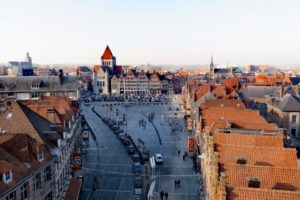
pixel 47 83
pixel 290 103
pixel 295 80
pixel 260 91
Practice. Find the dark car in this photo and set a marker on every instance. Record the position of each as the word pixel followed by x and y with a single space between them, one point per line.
pixel 130 150
pixel 125 140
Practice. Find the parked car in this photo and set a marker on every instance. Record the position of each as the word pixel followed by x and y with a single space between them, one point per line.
pixel 137 194
pixel 135 158
pixel 158 158
pixel 138 182
pixel 130 150
pixel 136 167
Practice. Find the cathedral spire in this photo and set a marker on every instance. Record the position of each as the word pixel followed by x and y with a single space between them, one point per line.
pixel 211 61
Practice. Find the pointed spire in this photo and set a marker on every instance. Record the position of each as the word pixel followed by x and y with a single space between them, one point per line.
pixel 211 61
pixel 107 54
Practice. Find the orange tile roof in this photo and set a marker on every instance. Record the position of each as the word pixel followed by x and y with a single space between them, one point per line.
pixel 14 120
pixel 247 119
pixel 261 194
pixel 270 177
pixel 249 140
pixel 96 68
pixel 234 103
pixel 281 157
pixel 201 91
pixel 62 108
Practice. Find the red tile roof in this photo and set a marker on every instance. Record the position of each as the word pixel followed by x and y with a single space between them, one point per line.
pixel 61 108
pixel 21 159
pixel 14 120
pixel 247 119
pixel 73 189
pixel 270 156
pixel 234 103
pixel 240 193
pixel 107 54
pixel 248 140
pixel 270 177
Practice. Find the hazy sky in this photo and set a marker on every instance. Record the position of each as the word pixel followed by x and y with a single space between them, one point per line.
pixel 151 31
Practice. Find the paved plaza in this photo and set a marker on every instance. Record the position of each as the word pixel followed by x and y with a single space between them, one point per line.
pixel 107 155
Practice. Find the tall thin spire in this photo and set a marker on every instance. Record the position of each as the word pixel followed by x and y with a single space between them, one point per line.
pixel 211 61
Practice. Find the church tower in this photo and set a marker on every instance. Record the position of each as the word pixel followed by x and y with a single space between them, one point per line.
pixel 28 60
pixel 108 59
pixel 211 67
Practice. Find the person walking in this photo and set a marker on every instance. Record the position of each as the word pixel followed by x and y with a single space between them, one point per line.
pixel 166 195
pixel 162 195
pixel 176 184
pixel 178 152
pixel 179 183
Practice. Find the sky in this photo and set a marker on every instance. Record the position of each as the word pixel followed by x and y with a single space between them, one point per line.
pixel 177 32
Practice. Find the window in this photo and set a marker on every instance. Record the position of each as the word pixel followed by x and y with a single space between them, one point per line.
pixel 294 117
pixel 49 196
pixel 47 174
pixel 25 191
pixel 37 182
pixel 40 156
pixel 293 132
pixel 35 95
pixel 35 86
pixel 241 161
pixel 11 196
pixel 8 176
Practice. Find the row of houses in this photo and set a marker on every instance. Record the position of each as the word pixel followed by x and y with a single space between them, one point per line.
pixel 112 78
pixel 242 156
pixel 37 141
pixel 33 87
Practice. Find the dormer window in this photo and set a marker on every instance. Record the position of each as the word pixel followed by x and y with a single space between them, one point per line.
pixel 253 182
pixel 7 176
pixel 40 156
pixel 241 161
pixel 35 86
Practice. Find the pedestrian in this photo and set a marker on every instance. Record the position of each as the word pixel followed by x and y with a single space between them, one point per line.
pixel 179 183
pixel 175 184
pixel 166 195
pixel 183 157
pixel 178 152
pixel 162 194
